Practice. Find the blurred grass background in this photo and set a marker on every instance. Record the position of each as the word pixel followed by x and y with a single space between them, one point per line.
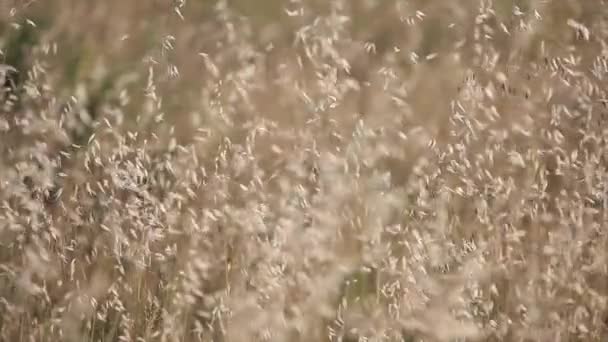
pixel 102 48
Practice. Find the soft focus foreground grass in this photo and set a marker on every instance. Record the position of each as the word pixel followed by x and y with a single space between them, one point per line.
pixel 303 170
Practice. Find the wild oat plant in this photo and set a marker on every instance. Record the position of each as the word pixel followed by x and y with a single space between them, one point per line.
pixel 345 170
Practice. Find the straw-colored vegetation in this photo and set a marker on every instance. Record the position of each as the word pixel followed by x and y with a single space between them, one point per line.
pixel 344 170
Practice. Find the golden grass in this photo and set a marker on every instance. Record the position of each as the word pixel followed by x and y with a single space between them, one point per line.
pixel 345 170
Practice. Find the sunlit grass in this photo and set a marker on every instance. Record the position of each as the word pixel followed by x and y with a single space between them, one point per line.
pixel 303 171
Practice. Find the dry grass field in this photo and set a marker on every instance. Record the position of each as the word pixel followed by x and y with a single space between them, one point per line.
pixel 303 170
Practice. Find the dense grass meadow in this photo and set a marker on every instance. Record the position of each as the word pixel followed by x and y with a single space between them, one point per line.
pixel 303 170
